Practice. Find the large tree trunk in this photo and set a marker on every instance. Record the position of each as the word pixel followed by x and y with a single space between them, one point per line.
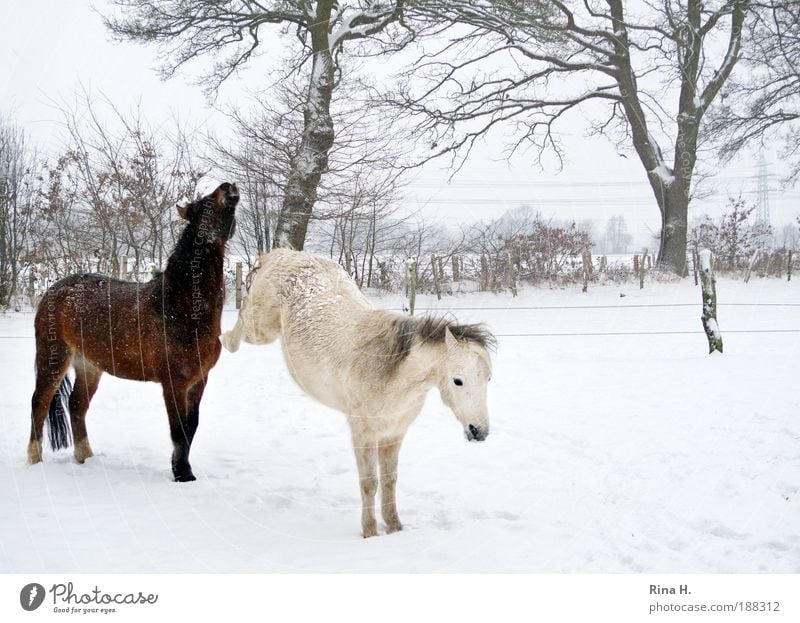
pixel 311 160
pixel 675 207
pixel 671 184
pixel 672 252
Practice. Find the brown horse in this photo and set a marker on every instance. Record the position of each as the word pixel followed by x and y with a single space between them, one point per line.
pixel 166 330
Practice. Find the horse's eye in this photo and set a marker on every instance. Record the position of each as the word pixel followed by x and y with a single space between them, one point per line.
pixel 458 382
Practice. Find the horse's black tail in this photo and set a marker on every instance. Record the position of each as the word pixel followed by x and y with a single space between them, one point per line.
pixel 58 426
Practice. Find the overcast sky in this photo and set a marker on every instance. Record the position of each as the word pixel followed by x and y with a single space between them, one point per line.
pixel 50 47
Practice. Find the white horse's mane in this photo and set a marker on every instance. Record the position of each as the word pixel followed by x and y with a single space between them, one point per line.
pixel 432 329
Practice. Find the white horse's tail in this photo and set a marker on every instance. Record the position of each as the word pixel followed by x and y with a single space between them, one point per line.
pixel 232 339
pixel 246 327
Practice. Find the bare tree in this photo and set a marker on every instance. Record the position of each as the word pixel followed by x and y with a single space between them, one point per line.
pixel 418 240
pixel 188 29
pixel 18 195
pixel 734 239
pixel 130 179
pixel 538 248
pixel 112 191
pixel 355 199
pixel 530 63
pixel 617 239
pixel 764 105
pixel 362 223
pixel 63 241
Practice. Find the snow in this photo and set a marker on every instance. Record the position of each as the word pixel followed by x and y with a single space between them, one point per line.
pixel 705 256
pixel 713 328
pixel 663 171
pixel 609 453
pixel 348 15
pixel 207 185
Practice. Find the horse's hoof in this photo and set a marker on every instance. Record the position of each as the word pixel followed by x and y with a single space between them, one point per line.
pixel 371 531
pixel 394 526
pixel 83 451
pixel 185 477
pixel 34 453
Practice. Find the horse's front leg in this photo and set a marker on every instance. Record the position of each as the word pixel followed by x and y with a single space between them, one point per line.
pixel 183 409
pixel 388 452
pixel 367 461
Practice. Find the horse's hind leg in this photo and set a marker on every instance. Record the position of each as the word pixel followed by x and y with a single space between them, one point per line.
pixel 388 452
pixel 52 362
pixel 87 378
pixel 183 408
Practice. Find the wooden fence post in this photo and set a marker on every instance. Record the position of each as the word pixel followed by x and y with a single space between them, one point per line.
pixel 709 289
pixel 751 264
pixel 238 285
pixel 587 269
pixel 411 285
pixel 635 264
pixel 456 271
pixel 511 275
pixel 31 286
pixel 484 281
pixel 642 269
pixel 789 266
pixel 385 281
pixel 437 277
pixel 695 262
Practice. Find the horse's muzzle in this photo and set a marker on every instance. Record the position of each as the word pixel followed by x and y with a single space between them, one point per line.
pixel 476 433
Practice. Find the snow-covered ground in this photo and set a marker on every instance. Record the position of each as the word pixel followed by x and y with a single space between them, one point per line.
pixel 608 453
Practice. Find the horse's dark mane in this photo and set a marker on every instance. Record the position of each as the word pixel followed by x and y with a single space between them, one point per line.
pixel 420 329
pixel 193 260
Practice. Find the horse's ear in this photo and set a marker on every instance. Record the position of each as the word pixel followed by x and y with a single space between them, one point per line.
pixel 450 340
pixel 183 211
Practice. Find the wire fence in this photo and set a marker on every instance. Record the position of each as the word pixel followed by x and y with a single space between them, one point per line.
pixel 637 333
pixel 578 307
pixel 623 306
pixel 634 306
pixel 577 334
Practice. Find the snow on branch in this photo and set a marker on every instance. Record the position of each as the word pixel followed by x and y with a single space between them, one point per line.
pixel 663 172
pixel 358 23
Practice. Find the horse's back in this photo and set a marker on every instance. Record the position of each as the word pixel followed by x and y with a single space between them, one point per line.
pixel 313 306
pixel 106 320
pixel 296 291
pixel 81 298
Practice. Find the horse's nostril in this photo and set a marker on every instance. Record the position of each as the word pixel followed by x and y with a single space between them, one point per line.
pixel 476 433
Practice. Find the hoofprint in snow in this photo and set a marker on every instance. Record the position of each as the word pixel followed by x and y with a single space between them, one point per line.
pixel 608 453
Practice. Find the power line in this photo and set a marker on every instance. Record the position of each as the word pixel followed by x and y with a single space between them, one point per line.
pixel 536 201
pixel 433 183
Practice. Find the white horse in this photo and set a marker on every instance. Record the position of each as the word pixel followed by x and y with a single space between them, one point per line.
pixel 373 365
